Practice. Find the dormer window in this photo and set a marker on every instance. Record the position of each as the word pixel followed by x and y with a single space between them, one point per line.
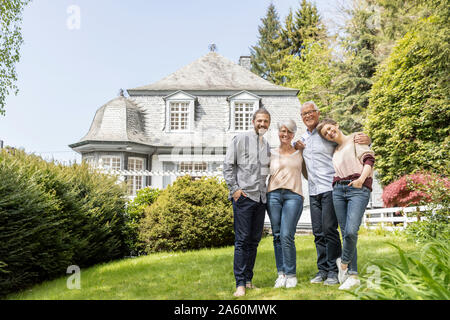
pixel 180 107
pixel 243 113
pixel 242 107
pixel 179 116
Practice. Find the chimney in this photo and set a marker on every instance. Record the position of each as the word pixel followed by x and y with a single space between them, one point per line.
pixel 245 61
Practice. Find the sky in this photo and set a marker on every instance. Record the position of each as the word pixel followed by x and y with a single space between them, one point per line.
pixel 77 55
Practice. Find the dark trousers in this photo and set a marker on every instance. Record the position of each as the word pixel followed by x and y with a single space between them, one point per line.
pixel 248 227
pixel 326 235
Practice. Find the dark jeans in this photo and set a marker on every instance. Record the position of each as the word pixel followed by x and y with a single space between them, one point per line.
pixel 326 235
pixel 248 227
pixel 350 204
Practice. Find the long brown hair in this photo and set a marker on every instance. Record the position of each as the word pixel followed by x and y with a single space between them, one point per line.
pixel 324 122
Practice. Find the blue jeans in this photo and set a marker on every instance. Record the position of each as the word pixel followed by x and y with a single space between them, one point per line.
pixel 284 208
pixel 350 204
pixel 248 227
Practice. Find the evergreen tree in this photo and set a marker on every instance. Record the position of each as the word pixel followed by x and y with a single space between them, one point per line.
pixel 265 54
pixel 301 26
pixel 409 113
pixel 357 68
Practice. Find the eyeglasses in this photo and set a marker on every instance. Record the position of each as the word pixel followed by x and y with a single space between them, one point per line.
pixel 305 114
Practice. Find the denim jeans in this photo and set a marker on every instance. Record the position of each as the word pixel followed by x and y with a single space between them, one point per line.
pixel 350 204
pixel 326 236
pixel 248 227
pixel 284 208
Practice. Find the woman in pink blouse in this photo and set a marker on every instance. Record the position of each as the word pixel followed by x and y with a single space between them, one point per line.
pixel 285 203
pixel 352 185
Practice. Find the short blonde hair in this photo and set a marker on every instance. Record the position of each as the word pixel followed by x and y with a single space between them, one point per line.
pixel 289 124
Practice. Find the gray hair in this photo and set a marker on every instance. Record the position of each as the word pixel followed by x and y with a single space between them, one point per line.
pixel 309 103
pixel 289 124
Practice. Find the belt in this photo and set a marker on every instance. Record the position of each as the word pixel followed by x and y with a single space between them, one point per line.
pixel 344 182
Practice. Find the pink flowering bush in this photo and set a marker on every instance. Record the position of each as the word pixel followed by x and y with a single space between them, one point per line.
pixel 413 189
pixel 423 189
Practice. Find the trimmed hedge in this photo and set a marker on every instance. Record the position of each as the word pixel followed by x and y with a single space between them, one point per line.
pixel 189 215
pixel 409 110
pixel 135 212
pixel 53 216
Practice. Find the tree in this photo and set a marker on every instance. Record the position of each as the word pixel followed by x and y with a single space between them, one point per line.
pixel 357 68
pixel 409 105
pixel 301 26
pixel 265 54
pixel 10 42
pixel 313 74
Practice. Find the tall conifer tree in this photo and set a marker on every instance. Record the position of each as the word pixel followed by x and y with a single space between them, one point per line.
pixel 304 24
pixel 357 68
pixel 265 54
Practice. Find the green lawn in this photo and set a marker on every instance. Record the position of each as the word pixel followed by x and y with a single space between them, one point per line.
pixel 208 274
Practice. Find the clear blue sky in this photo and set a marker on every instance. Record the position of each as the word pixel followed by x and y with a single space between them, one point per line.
pixel 66 75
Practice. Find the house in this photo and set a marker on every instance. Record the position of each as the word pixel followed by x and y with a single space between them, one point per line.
pixel 184 122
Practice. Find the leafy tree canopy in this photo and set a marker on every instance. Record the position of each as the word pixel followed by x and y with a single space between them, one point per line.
pixel 10 42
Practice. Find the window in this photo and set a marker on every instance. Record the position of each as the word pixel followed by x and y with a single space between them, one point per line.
pixel 193 166
pixel 243 113
pixel 135 182
pixel 179 109
pixel 110 162
pixel 90 160
pixel 242 106
pixel 179 116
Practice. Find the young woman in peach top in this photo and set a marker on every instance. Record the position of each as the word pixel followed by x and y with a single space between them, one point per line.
pixel 352 186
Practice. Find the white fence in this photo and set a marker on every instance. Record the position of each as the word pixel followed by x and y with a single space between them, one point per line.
pixel 391 218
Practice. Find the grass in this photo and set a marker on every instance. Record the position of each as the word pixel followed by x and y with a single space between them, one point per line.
pixel 208 274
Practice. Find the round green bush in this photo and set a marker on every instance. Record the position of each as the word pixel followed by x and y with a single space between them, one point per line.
pixel 135 212
pixel 189 215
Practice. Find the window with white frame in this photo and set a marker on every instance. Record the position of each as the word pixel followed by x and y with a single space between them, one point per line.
pixel 193 166
pixel 180 109
pixel 135 182
pixel 110 162
pixel 242 107
pixel 90 160
pixel 179 116
pixel 243 113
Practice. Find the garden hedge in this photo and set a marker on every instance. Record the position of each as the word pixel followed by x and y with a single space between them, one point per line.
pixel 54 216
pixel 189 214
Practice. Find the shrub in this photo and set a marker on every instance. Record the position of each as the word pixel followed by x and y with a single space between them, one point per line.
pixel 423 278
pixel 409 111
pixel 422 189
pixel 189 215
pixel 135 212
pixel 53 216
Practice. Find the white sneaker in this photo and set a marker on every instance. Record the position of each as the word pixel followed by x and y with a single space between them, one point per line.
pixel 291 282
pixel 351 282
pixel 281 281
pixel 342 274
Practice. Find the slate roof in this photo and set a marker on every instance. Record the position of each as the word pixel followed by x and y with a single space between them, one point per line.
pixel 117 120
pixel 212 72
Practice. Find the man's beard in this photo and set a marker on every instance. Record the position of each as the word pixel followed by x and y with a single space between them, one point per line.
pixel 261 131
